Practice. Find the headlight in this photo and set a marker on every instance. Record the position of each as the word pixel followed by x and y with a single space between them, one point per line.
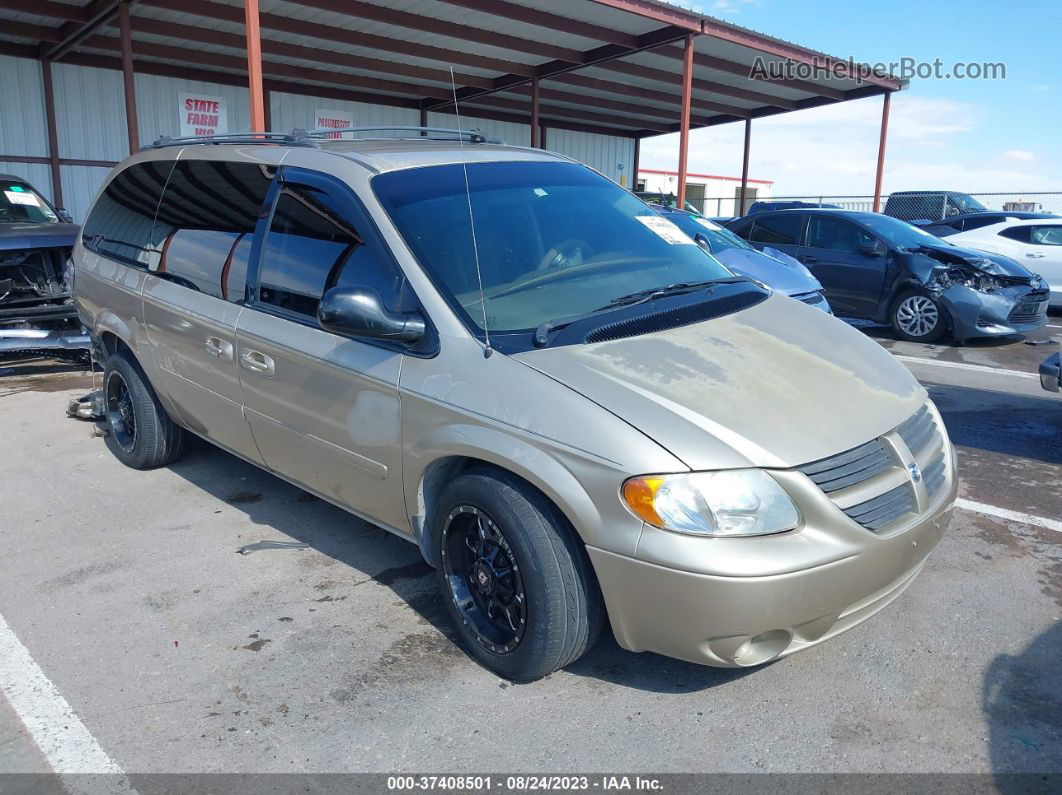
pixel 975 280
pixel 739 502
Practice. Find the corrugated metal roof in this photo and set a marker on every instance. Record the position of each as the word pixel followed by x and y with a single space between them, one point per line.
pixel 602 59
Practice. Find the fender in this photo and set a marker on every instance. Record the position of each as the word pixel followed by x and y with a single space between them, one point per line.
pixel 109 322
pixel 506 451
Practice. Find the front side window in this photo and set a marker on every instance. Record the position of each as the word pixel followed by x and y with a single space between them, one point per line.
pixel 836 235
pixel 777 230
pixel 551 240
pixel 21 204
pixel 206 219
pixel 314 244
pixel 121 223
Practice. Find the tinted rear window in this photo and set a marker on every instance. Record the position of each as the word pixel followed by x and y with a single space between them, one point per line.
pixel 121 222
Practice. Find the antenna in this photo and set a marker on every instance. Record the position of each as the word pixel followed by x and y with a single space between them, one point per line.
pixel 487 350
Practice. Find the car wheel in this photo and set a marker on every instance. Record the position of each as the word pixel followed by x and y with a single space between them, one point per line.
pixel 916 317
pixel 139 431
pixel 515 578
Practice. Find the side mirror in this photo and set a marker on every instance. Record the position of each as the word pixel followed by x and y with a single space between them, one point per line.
pixel 361 313
pixel 64 215
pixel 875 249
pixel 702 241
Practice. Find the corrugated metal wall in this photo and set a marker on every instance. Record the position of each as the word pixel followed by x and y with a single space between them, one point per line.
pixel 90 117
pixel 611 155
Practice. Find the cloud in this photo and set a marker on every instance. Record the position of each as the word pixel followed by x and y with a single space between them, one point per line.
pixel 1040 87
pixel 932 145
pixel 1021 155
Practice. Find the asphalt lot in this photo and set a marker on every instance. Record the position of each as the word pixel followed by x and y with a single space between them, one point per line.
pixel 180 655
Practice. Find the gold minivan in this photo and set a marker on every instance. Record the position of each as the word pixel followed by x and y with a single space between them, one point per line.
pixel 511 361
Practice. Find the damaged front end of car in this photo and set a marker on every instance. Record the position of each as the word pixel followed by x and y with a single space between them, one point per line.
pixel 984 295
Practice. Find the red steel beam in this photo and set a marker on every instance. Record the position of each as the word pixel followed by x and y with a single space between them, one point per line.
pixel 637 163
pixel 684 120
pixel 96 15
pixel 48 8
pixel 658 12
pixel 544 19
pixel 53 135
pixel 254 65
pixel 879 174
pixel 441 27
pixel 700 84
pixel 535 125
pixel 649 94
pixel 128 79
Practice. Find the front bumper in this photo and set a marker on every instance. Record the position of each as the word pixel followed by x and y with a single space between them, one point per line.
pixel 1051 373
pixel 1013 310
pixel 736 622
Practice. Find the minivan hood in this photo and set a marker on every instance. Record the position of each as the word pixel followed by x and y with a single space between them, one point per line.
pixel 776 385
pixel 774 272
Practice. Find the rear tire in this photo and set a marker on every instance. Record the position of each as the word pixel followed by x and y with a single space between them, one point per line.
pixel 917 317
pixel 140 432
pixel 516 580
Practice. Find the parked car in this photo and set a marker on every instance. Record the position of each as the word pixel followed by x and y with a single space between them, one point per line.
pixel 36 309
pixel 1036 242
pixel 968 222
pixel 665 200
pixel 504 357
pixel 882 269
pixel 777 270
pixel 1051 372
pixel 919 205
pixel 764 206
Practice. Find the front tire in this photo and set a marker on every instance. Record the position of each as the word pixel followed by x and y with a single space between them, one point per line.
pixel 140 432
pixel 917 317
pixel 515 578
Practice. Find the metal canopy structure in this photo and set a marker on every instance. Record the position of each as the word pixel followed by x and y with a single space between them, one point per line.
pixel 620 67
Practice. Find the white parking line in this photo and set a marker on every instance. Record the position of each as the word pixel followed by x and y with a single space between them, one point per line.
pixel 66 743
pixel 962 366
pixel 1004 513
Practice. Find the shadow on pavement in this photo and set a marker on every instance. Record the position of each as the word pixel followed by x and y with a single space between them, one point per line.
pixel 378 555
pixel 1000 422
pixel 1022 702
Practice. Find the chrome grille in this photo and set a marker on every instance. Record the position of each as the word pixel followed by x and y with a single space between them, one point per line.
pixel 853 474
pixel 884 509
pixel 850 468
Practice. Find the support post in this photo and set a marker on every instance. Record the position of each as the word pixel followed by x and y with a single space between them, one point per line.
pixel 53 135
pixel 637 161
pixel 254 65
pixel 536 133
pixel 684 119
pixel 745 168
pixel 128 79
pixel 880 173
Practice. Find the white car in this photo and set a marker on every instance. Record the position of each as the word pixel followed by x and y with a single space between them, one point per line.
pixel 1035 243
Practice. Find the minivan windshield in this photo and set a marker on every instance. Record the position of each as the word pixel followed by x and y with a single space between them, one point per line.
pixel 21 204
pixel 553 240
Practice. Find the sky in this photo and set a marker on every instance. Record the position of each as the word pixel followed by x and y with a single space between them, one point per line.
pixel 965 135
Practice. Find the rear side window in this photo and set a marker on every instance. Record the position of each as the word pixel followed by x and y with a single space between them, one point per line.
pixel 121 222
pixel 207 219
pixel 1019 233
pixel 778 229
pixel 318 240
pixel 1046 235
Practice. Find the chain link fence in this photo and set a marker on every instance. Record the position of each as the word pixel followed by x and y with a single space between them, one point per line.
pixel 907 205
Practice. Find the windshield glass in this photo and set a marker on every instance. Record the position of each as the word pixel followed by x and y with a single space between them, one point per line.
pixel 900 233
pixel 554 240
pixel 719 238
pixel 21 204
pixel 967 203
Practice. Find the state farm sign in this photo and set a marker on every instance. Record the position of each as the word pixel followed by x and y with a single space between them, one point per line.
pixel 201 114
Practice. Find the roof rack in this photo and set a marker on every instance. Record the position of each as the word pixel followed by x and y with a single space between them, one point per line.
pixel 473 136
pixel 228 138
pixel 299 137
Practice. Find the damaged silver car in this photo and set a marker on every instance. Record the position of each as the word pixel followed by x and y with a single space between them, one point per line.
pixel 37 312
pixel 878 268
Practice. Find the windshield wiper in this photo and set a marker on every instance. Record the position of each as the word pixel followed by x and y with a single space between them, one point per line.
pixel 631 299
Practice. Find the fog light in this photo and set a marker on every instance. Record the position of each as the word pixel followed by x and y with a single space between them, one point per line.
pixel 762 648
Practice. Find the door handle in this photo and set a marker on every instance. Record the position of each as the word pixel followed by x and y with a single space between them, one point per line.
pixel 806 258
pixel 1035 255
pixel 218 348
pixel 258 362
